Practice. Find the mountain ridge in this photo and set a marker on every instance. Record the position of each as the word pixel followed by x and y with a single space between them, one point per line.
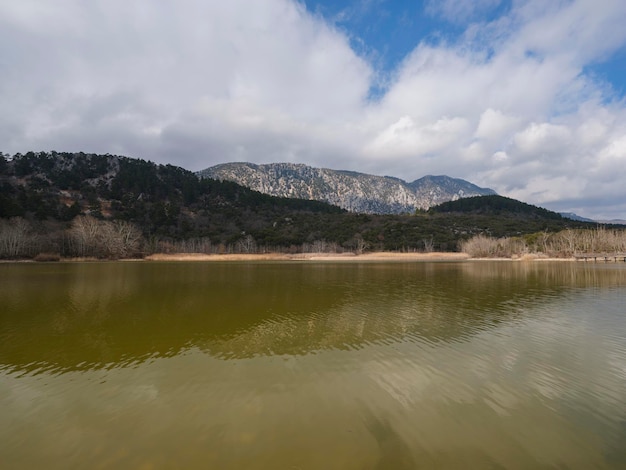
pixel 573 216
pixel 78 204
pixel 350 190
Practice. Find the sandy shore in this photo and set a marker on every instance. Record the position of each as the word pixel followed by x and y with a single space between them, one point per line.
pixel 348 257
pixel 377 256
pixel 338 257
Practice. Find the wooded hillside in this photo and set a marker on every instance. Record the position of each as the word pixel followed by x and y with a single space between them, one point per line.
pixel 53 199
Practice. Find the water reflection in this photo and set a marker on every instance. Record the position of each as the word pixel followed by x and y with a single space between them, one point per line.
pixel 79 316
pixel 461 365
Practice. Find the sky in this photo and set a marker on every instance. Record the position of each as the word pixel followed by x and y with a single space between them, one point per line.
pixel 527 97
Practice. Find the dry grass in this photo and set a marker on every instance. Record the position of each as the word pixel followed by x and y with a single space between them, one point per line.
pixel 47 257
pixel 215 257
pixel 348 257
pixel 564 244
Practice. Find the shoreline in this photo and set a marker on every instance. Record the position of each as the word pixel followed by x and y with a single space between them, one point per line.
pixel 343 257
pixel 379 256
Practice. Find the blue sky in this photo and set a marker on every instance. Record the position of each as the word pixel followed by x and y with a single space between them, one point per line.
pixel 386 31
pixel 612 70
pixel 523 96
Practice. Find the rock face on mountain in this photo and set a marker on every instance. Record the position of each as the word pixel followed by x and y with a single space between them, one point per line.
pixel 353 191
pixel 572 216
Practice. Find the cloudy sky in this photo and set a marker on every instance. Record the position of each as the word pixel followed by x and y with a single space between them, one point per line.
pixel 524 96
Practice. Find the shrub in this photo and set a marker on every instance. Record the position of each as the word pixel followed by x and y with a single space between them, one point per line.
pixel 47 257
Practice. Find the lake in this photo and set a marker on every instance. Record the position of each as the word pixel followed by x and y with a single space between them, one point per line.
pixel 304 365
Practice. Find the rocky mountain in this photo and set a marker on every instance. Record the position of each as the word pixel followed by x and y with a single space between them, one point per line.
pixel 81 204
pixel 573 216
pixel 353 191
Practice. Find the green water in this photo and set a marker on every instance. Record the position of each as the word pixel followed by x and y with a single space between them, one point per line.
pixel 313 365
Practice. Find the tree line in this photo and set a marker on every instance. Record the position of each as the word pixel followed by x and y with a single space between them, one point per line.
pixel 107 206
pixel 86 236
pixel 562 244
pixel 89 237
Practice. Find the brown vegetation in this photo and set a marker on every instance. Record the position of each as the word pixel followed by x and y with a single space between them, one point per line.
pixel 348 257
pixel 47 257
pixel 564 244
pixel 88 237
pixel 102 238
pixel 15 238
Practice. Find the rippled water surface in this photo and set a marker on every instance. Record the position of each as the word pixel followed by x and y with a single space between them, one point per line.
pixel 313 365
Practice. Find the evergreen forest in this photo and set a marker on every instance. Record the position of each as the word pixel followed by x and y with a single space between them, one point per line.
pixel 107 206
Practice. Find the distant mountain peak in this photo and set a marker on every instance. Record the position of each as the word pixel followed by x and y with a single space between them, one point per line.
pixel 350 190
pixel 573 216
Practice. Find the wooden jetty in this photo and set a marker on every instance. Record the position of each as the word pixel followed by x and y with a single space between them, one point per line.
pixel 615 257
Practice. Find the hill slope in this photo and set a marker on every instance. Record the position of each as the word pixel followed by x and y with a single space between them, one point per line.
pixel 496 205
pixel 353 191
pixel 162 200
pixel 43 194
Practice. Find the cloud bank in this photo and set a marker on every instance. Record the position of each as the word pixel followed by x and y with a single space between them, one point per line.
pixel 510 104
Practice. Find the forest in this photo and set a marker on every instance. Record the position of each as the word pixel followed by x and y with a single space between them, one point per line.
pixel 55 205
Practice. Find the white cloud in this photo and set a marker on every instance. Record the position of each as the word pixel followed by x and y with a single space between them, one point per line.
pixel 405 138
pixel 542 140
pixel 581 30
pixel 169 61
pixel 494 125
pixel 508 105
pixel 459 11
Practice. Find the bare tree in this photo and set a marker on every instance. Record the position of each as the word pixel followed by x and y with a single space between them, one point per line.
pixel 319 246
pixel 246 244
pixel 194 245
pixel 479 246
pixel 83 236
pixel 15 237
pixel 92 237
pixel 129 236
pixel 429 244
pixel 361 245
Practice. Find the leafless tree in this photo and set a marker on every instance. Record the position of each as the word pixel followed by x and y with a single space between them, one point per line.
pixel 129 237
pixel 83 236
pixel 15 237
pixel 100 238
pixel 429 244
pixel 562 244
pixel 246 244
